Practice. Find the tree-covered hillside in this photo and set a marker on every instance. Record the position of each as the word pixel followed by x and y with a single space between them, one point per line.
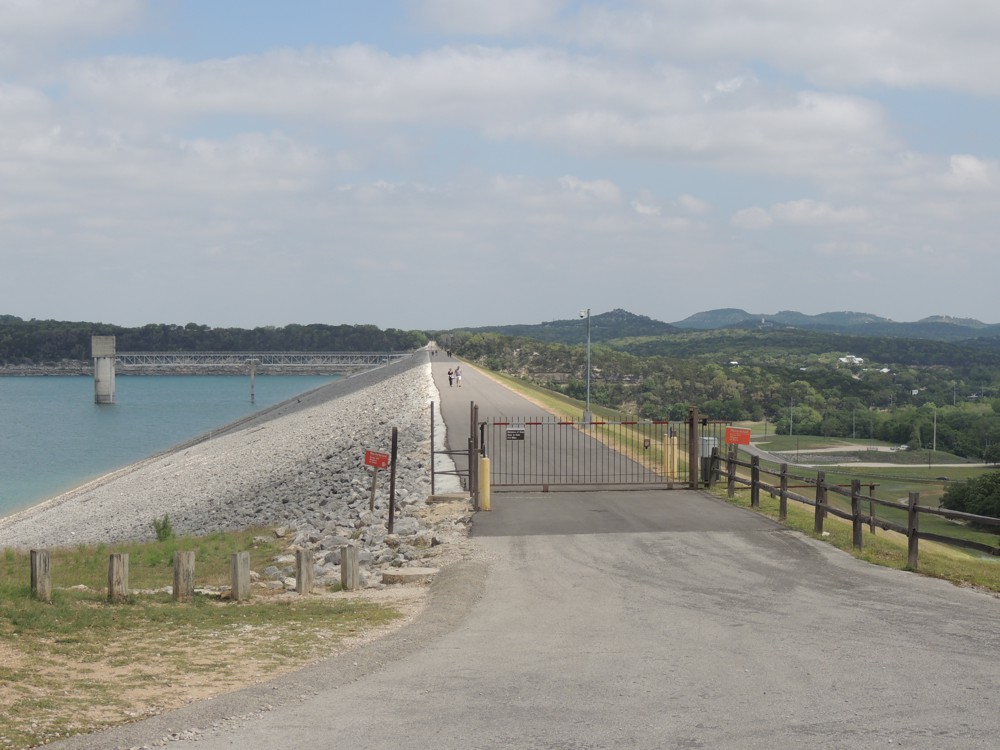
pixel 603 327
pixel 621 323
pixel 25 342
pixel 788 378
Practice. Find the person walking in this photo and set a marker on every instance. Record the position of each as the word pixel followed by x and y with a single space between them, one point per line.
pixel 458 376
pixel 451 377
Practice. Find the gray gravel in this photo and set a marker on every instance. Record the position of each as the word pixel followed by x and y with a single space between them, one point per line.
pixel 298 466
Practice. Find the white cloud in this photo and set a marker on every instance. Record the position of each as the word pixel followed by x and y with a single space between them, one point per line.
pixel 693 205
pixel 752 218
pixel 807 211
pixel 804 212
pixel 967 172
pixel 29 29
pixel 855 249
pixel 603 191
pixel 852 43
pixel 488 16
pixel 525 95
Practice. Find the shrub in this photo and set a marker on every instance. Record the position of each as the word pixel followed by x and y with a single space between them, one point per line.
pixel 164 530
pixel 980 495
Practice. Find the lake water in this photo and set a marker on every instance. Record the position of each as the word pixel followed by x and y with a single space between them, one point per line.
pixel 53 437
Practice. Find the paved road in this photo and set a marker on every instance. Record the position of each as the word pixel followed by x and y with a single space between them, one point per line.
pixel 639 620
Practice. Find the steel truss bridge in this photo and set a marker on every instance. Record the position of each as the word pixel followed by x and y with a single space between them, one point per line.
pixel 333 361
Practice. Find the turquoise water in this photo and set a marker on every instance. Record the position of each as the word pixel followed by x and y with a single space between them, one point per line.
pixel 53 436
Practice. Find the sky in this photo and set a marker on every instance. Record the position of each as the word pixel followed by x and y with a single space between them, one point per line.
pixel 432 164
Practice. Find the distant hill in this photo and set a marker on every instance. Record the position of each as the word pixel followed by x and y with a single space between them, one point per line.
pixel 616 324
pixel 621 324
pixel 938 328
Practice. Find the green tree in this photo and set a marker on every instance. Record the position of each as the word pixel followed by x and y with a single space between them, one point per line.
pixel 980 495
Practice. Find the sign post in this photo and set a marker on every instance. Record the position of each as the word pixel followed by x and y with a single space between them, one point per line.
pixel 392 479
pixel 377 461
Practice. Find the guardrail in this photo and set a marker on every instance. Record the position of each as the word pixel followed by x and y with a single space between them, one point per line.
pixel 858 518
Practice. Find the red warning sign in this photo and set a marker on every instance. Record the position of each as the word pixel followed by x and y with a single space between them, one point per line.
pixel 737 436
pixel 376 459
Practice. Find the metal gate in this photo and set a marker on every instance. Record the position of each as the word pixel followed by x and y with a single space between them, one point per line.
pixel 549 453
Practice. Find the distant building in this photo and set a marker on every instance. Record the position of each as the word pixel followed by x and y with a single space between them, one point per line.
pixel 850 359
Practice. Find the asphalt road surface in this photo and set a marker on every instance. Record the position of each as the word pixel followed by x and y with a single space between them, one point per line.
pixel 651 619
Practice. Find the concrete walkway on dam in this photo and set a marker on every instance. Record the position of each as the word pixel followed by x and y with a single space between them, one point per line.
pixel 646 619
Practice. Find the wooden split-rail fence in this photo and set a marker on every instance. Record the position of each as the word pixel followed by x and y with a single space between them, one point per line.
pixel 863 507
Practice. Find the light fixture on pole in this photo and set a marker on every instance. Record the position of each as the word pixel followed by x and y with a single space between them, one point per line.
pixel 587 416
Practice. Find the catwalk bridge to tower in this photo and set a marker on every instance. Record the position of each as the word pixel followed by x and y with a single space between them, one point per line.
pixel 107 361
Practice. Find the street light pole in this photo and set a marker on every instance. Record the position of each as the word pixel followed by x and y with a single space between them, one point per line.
pixel 587 416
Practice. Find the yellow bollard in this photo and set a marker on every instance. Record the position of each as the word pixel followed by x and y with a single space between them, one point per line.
pixel 484 483
pixel 670 457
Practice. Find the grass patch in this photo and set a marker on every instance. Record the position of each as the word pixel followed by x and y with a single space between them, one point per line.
pixel 884 547
pixel 79 664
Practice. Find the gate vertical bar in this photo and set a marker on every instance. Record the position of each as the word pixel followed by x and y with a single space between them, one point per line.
pixel 693 448
pixel 473 458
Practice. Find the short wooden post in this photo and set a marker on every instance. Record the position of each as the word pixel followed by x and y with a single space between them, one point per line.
pixel 303 571
pixel 239 567
pixel 820 502
pixel 41 575
pixel 183 575
pixel 731 475
pixel 783 493
pixel 912 531
pixel 713 465
pixel 856 512
pixel 350 568
pixel 118 577
pixel 754 481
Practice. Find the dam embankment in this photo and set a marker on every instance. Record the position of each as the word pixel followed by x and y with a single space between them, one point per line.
pixel 299 464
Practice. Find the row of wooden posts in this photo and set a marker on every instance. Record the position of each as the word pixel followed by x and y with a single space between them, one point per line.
pixel 184 575
pixel 856 515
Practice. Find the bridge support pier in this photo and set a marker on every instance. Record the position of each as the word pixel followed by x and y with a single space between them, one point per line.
pixel 103 351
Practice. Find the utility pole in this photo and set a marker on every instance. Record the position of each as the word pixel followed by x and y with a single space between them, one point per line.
pixel 587 416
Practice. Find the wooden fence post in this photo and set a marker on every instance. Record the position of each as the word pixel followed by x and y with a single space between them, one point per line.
pixel 731 475
pixel 239 568
pixel 118 577
pixel 871 508
pixel 912 530
pixel 754 481
pixel 820 502
pixel 856 512
pixel 183 575
pixel 303 571
pixel 41 575
pixel 350 569
pixel 783 494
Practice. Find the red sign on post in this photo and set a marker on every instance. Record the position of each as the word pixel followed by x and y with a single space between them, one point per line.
pixel 737 436
pixel 376 459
